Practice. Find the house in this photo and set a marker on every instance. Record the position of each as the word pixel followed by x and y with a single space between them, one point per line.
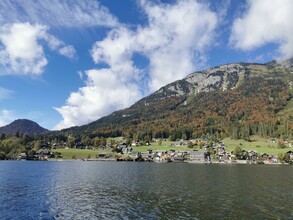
pixel 119 147
pixel 197 156
pixel 135 154
pixel 159 153
pixel 135 144
pixel 265 156
pixel 22 156
pixel 179 156
pixel 252 155
pixel 43 153
pixel 147 156
pixel 126 150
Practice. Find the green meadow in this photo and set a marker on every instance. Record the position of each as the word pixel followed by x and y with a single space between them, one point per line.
pixel 261 145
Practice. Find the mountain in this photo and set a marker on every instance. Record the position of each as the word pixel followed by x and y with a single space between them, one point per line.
pixel 236 100
pixel 23 126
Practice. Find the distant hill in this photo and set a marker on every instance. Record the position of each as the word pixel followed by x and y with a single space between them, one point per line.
pixel 23 126
pixel 237 100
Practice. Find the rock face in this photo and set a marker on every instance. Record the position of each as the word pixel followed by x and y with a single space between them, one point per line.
pixel 220 78
pixel 23 126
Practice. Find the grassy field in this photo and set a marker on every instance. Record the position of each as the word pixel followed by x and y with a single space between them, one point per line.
pixel 73 153
pixel 261 145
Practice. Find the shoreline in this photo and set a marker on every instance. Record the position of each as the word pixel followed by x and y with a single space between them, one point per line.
pixel 236 162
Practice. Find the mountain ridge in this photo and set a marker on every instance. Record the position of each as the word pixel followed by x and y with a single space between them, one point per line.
pixel 182 104
pixel 23 126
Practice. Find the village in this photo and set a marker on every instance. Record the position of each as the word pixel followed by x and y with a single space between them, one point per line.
pixel 178 151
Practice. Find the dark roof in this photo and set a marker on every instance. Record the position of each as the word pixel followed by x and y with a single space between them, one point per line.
pixel 43 151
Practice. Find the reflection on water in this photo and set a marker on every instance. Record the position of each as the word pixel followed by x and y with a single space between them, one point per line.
pixel 105 190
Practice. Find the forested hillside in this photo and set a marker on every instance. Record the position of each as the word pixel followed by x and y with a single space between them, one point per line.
pixel 236 100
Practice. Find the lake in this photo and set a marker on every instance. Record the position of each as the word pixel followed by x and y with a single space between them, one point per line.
pixel 129 190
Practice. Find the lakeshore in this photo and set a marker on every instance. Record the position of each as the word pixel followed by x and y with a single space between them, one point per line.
pixel 162 151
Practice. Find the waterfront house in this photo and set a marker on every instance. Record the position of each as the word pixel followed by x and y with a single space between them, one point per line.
pixel 197 156
pixel 265 156
pixel 43 153
pixel 22 156
pixel 252 155
pixel 135 154
pixel 147 156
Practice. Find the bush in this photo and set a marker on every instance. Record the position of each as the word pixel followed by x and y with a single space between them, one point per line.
pixel 2 156
pixel 281 145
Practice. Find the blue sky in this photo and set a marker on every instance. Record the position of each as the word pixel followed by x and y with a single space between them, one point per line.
pixel 67 63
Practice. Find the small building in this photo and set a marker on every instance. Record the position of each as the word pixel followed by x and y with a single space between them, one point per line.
pixel 197 156
pixel 252 155
pixel 121 146
pixel 102 155
pixel 265 156
pixel 126 150
pixel 147 156
pixel 22 156
pixel 43 153
pixel 135 154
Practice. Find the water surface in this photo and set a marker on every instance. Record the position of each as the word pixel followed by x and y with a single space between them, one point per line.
pixel 128 190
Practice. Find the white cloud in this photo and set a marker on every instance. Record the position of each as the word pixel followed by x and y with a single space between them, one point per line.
pixel 68 13
pixel 5 93
pixel 21 50
pixel 175 38
pixel 174 42
pixel 67 51
pixel 264 22
pixel 6 116
pixel 103 93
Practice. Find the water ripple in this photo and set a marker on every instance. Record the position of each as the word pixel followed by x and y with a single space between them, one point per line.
pixel 93 190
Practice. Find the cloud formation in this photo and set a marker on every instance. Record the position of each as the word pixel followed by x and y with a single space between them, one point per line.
pixel 173 42
pixel 22 51
pixel 264 22
pixel 103 93
pixel 68 13
pixel 5 117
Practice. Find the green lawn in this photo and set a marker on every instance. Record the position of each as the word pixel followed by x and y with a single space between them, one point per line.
pixel 261 145
pixel 73 153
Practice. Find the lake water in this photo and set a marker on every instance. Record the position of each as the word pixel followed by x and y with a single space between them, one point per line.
pixel 129 190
